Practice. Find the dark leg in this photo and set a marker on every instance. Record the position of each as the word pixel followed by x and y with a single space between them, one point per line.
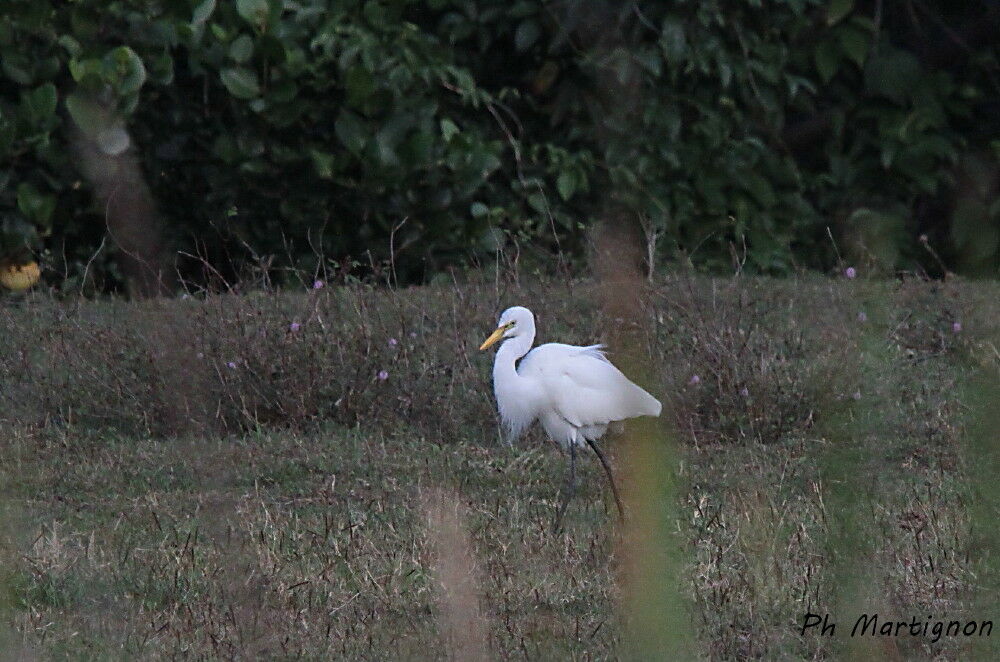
pixel 611 477
pixel 569 491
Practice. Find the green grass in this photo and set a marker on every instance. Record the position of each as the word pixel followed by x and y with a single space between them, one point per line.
pixel 305 536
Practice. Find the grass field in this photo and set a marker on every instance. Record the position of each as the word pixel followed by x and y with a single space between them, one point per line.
pixel 201 479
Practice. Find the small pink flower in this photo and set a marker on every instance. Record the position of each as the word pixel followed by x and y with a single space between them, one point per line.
pixel 745 392
pixel 413 334
pixel 695 379
pixel 393 342
pixel 317 284
pixel 294 326
pixel 231 364
pixel 862 316
pixel 956 327
pixel 850 272
pixel 383 375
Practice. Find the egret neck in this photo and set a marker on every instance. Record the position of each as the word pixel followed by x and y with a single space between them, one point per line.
pixel 516 396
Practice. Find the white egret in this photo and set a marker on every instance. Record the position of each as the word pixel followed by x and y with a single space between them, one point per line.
pixel 574 391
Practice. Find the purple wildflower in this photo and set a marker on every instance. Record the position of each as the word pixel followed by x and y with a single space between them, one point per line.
pixel 383 375
pixel 850 272
pixel 294 326
pixel 695 379
pixel 862 316
pixel 231 364
pixel 956 327
pixel 856 395
pixel 317 284
pixel 745 392
pixel 393 342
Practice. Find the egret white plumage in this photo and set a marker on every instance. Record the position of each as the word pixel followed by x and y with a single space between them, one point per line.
pixel 574 391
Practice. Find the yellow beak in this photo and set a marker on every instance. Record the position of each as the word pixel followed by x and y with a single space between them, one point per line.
pixel 494 337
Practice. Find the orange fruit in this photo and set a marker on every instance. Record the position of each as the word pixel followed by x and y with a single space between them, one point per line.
pixel 19 277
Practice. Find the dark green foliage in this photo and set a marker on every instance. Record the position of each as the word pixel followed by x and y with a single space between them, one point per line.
pixel 433 132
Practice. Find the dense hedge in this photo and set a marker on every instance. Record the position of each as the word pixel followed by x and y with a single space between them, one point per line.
pixel 782 132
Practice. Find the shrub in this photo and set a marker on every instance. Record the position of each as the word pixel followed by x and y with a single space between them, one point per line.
pixel 752 362
pixel 769 359
pixel 406 136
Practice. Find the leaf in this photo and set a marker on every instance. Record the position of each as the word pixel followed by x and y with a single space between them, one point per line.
pixel 41 102
pixel 202 12
pixel 650 61
pixel 448 130
pixel 72 46
pixel 566 184
pixel 88 116
pixel 855 43
pixel 796 83
pixel 761 189
pixel 419 148
pixel 385 147
pixel 127 72
pixel 673 41
pixel 241 49
pixel 838 10
pixel 893 74
pixel 827 58
pixel 537 202
pixel 376 14
pixel 16 67
pixel 359 85
pixel 241 82
pixel 254 12
pixel 162 69
pixel 35 205
pixel 522 9
pixel 323 162
pixel 527 33
pixel 80 70
pixel 283 91
pixel 351 131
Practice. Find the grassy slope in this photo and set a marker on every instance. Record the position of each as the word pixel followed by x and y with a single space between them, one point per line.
pixel 310 541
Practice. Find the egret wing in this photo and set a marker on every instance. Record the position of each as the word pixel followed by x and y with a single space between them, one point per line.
pixel 584 387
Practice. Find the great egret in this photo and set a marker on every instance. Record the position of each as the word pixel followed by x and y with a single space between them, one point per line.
pixel 574 391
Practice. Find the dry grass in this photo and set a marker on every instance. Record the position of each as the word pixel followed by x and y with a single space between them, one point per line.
pixel 173 506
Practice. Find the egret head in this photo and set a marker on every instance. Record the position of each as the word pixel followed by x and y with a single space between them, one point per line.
pixel 514 322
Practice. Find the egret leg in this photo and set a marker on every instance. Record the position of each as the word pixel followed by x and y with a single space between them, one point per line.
pixel 570 490
pixel 611 476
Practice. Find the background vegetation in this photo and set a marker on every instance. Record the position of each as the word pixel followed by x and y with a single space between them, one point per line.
pixel 403 136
